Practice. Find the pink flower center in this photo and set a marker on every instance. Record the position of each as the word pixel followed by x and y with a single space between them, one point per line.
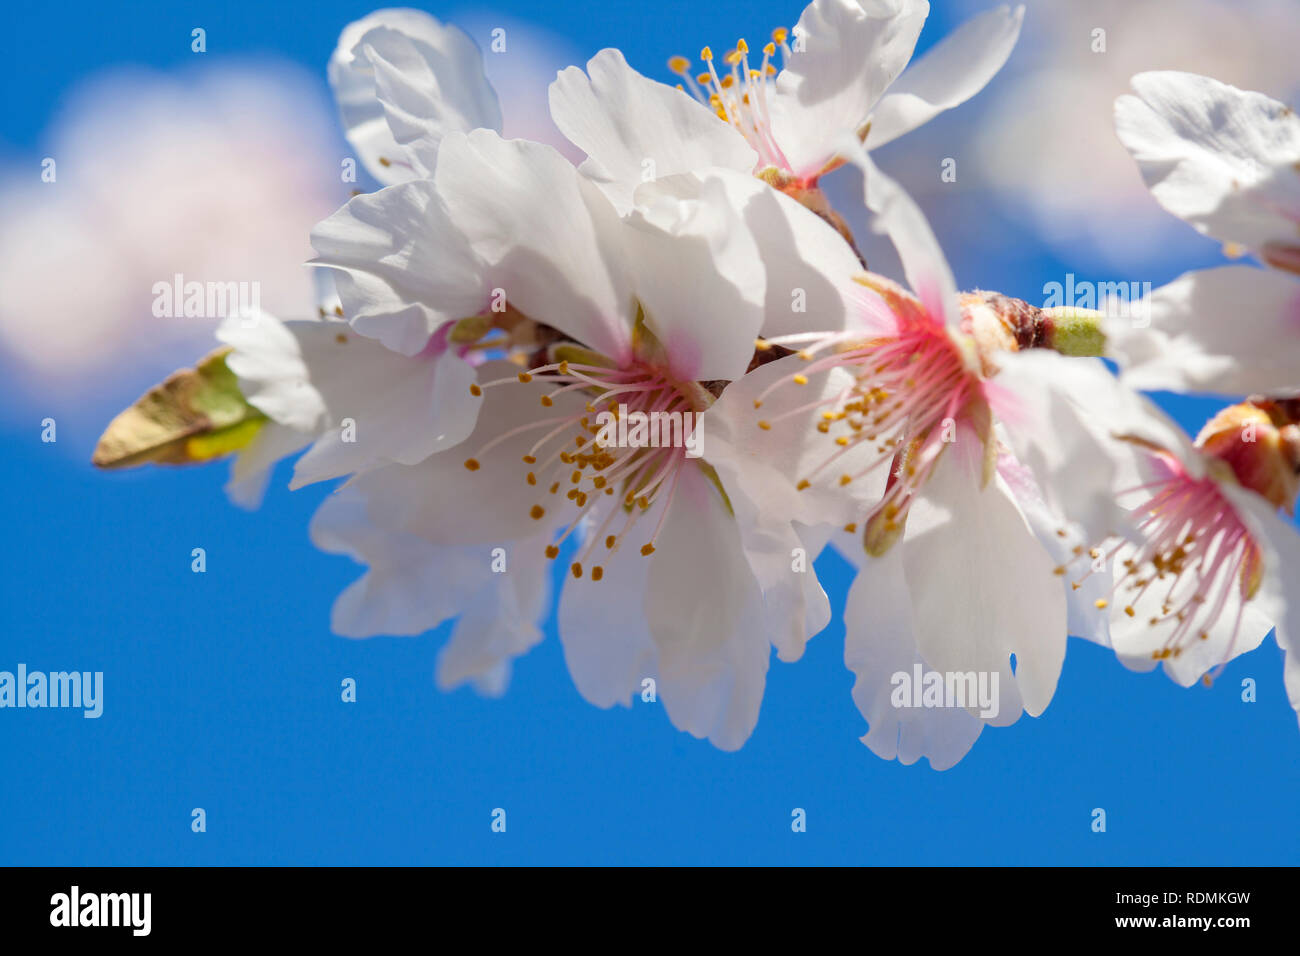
pixel 911 393
pixel 1194 553
pixel 588 456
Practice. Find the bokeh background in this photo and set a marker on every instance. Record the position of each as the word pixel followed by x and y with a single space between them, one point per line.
pixel 222 690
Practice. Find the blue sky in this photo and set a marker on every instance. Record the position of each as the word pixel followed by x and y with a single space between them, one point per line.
pixel 222 690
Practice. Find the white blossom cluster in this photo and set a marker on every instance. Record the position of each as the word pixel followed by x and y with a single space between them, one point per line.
pixel 670 369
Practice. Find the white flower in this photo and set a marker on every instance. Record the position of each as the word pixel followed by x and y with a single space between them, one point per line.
pixel 402 81
pixel 1205 565
pixel 890 429
pixel 1227 161
pixel 651 313
pixel 840 76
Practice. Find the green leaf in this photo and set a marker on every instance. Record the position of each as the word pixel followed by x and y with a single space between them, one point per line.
pixel 197 414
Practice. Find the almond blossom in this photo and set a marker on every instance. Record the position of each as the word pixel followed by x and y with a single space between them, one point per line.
pixel 1199 561
pixel 840 76
pixel 1227 161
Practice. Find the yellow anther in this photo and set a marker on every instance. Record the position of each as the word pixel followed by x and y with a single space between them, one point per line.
pixel 801 379
pixel 1101 604
pixel 529 460
pixel 537 512
pixel 597 573
pixel 732 58
pixel 842 441
pixel 850 527
pixel 762 345
pixel 576 568
pixel 706 54
pixel 803 483
pixel 1130 611
pixel 552 551
pixel 742 46
pixel 475 390
pixel 769 50
pixel 648 549
pixel 525 377
pixel 757 403
pixel 531 478
pixel 765 425
pixel 472 464
pixel 1059 570
pixel 546 401
pixel 728 81
pixel 678 64
pixel 704 79
pixel 845 479
pixel 779 34
pixel 610 541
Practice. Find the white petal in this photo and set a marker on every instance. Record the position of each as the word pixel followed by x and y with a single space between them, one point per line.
pixel 699 278
pixel 251 469
pixel 607 642
pixel 402 80
pixel 1279 595
pixel 401 267
pixel 1222 158
pixel 634 129
pixel 1233 330
pixel 958 67
pixel 760 470
pixel 384 407
pixel 412 586
pixel 547 237
pixel 444 502
pixel 1082 587
pixel 878 644
pixel 705 614
pixel 1063 417
pixel 808 264
pixel 364 405
pixel 972 613
pixel 852 51
pixel 899 217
